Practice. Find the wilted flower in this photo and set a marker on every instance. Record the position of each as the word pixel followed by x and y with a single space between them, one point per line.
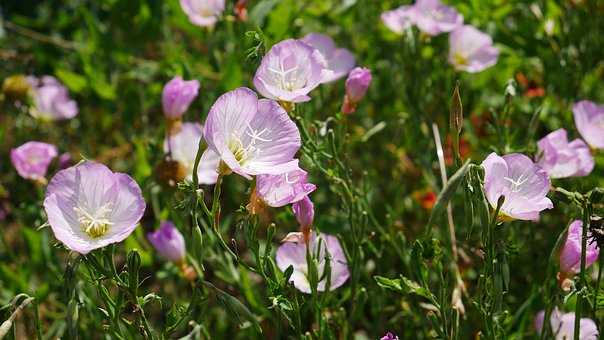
pixel 289 71
pixel 357 84
pixel 323 248
pixel 31 159
pixel 203 12
pixel 471 50
pixel 177 95
pixel 339 60
pixel 563 159
pixel 389 336
pixel 89 206
pixel 287 188
pixel 523 184
pixel 182 148
pixel 589 119
pixel 251 136
pixel 570 256
pixel 168 242
pixel 51 99
pixel 430 16
pixel 304 210
pixel 563 326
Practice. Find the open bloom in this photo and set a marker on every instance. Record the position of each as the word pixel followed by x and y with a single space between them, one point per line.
pixel 570 256
pixel 339 60
pixel 523 184
pixel 563 159
pixel 251 136
pixel 51 99
pixel 182 147
pixel 357 84
pixel 399 19
pixel 31 159
pixel 289 71
pixel 287 188
pixel 89 206
pixel 177 95
pixel 203 12
pixel 168 242
pixel 471 50
pixel 322 248
pixel 430 16
pixel 589 119
pixel 563 326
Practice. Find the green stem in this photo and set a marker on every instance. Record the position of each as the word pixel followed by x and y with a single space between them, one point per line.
pixel 582 279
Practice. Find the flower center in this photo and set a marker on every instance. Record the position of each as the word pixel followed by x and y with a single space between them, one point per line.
pixel 245 153
pixel 516 185
pixel 286 78
pixel 460 59
pixel 96 224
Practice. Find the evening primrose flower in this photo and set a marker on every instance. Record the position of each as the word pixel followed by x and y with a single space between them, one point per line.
pixel 203 12
pixel 31 160
pixel 304 210
pixel 357 84
pixel 182 147
pixel 563 159
pixel 399 19
pixel 523 184
pixel 287 188
pixel 168 242
pixel 339 60
pixel 251 136
pixel 563 326
pixel 589 119
pixel 51 99
pixel 430 16
pixel 322 248
pixel 177 95
pixel 89 206
pixel 471 50
pixel 290 70
pixel 570 256
pixel 389 336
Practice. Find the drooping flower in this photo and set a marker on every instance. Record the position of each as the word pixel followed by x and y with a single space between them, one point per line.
pixel 31 160
pixel 182 147
pixel 251 136
pixel 168 242
pixel 89 206
pixel 523 184
pixel 563 326
pixel 339 60
pixel 430 16
pixel 589 119
pixel 177 95
pixel 203 12
pixel 389 336
pixel 471 50
pixel 289 71
pixel 304 210
pixel 287 188
pixel 51 99
pixel 570 256
pixel 322 248
pixel 563 159
pixel 357 84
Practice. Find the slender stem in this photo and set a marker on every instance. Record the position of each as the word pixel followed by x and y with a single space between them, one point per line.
pixel 600 268
pixel 582 279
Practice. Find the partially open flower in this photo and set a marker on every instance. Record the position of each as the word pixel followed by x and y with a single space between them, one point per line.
pixel 322 248
pixel 339 60
pixel 203 12
pixel 168 242
pixel 589 119
pixel 563 326
pixel 570 256
pixel 523 184
pixel 177 96
pixel 357 84
pixel 251 136
pixel 51 99
pixel 432 17
pixel 563 159
pixel 399 19
pixel 31 159
pixel 287 188
pixel 89 206
pixel 471 50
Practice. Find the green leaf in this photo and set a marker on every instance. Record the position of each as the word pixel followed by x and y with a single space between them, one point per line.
pixel 75 82
pixel 234 306
pixel 404 286
pixel 448 191
pixel 261 10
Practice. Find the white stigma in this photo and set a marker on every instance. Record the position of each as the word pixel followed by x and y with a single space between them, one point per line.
pixel 96 224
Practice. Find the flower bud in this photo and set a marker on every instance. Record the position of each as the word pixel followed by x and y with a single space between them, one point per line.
pixel 356 87
pixel 305 213
pixel 168 242
pixel 177 96
pixel 570 256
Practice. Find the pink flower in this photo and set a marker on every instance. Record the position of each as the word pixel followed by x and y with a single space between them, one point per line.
pixel 293 253
pixel 31 160
pixel 339 60
pixel 570 256
pixel 589 119
pixel 563 159
pixel 51 99
pixel 563 326
pixel 203 12
pixel 304 210
pixel 287 188
pixel 251 136
pixel 389 336
pixel 523 184
pixel 289 71
pixel 168 242
pixel 471 50
pixel 400 19
pixel 177 95
pixel 182 148
pixel 430 16
pixel 357 84
pixel 89 206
